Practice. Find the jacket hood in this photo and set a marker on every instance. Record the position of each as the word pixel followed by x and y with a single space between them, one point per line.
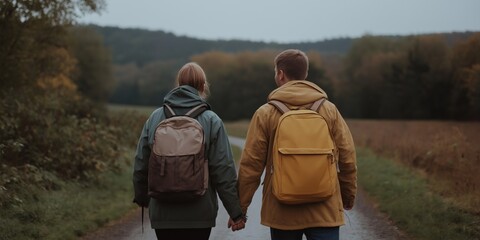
pixel 184 97
pixel 297 93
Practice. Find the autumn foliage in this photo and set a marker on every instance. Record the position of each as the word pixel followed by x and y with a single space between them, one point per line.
pixel 52 128
pixel 414 78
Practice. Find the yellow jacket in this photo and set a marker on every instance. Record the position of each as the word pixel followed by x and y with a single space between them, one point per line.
pixel 257 155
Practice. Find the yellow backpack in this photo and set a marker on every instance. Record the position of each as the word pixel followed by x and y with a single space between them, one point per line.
pixel 304 168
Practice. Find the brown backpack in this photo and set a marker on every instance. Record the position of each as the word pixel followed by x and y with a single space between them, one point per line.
pixel 178 167
pixel 304 168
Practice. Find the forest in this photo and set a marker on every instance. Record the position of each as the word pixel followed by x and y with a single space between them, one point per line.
pixel 433 76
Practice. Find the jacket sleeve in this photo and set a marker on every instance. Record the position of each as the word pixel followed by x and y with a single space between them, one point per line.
pixel 140 169
pixel 254 157
pixel 347 161
pixel 222 169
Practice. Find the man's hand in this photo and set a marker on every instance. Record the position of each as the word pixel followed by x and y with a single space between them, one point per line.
pixel 238 225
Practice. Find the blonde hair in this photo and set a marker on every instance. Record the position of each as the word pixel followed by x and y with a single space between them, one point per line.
pixel 294 63
pixel 192 74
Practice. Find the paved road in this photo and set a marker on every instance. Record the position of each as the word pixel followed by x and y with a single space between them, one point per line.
pixel 363 222
pixel 253 230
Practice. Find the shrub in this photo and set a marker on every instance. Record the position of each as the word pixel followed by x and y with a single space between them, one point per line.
pixel 55 137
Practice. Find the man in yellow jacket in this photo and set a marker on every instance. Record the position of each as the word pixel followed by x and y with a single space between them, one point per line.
pixel 320 220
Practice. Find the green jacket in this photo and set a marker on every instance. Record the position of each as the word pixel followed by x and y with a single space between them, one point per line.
pixel 203 212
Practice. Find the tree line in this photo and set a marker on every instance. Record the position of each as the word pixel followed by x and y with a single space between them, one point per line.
pixel 414 77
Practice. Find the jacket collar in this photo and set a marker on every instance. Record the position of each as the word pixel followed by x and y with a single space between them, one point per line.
pixel 297 93
pixel 184 97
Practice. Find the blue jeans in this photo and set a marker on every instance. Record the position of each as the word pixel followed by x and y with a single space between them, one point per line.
pixel 316 233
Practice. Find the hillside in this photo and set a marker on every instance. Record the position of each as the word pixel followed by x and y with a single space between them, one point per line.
pixel 129 45
pixel 139 46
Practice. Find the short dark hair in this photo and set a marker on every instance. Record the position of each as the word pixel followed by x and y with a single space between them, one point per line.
pixel 293 63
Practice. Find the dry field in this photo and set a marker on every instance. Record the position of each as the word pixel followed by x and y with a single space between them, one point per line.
pixel 446 153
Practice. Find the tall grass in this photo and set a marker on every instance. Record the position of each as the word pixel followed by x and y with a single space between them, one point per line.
pixel 447 153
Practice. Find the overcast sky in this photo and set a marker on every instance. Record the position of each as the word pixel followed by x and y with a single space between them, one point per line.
pixel 290 20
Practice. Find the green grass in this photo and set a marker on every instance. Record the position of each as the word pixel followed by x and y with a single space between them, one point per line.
pixel 146 110
pixel 406 198
pixel 237 129
pixel 70 212
pixel 237 153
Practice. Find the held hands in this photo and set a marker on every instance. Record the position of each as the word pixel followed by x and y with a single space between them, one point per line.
pixel 237 225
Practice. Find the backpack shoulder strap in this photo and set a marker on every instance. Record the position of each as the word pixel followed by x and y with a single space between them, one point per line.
pixel 317 104
pixel 168 111
pixel 280 106
pixel 283 108
pixel 196 111
pixel 193 113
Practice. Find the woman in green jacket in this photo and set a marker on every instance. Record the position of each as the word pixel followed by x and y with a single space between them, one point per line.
pixel 194 219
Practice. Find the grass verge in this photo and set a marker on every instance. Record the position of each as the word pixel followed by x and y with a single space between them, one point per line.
pixel 237 153
pixel 406 198
pixel 238 128
pixel 70 212
pixel 145 110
